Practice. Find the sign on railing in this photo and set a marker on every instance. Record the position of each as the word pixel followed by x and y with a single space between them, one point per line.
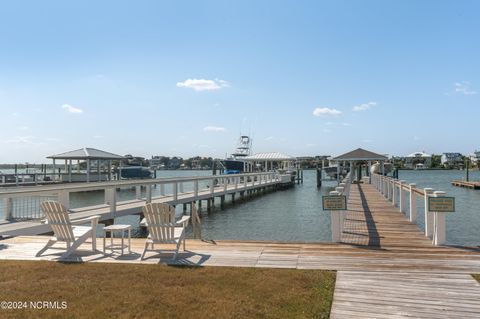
pixel 334 202
pixel 441 204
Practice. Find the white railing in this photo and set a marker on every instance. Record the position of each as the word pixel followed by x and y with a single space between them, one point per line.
pixel 24 203
pixel 399 192
pixel 337 218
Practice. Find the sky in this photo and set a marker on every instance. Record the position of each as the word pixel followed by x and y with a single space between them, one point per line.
pixel 187 78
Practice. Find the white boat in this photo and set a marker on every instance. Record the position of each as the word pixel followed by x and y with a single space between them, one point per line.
pixel 419 166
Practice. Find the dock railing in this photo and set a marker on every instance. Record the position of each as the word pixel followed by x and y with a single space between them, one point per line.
pixel 399 192
pixel 23 203
pixel 337 218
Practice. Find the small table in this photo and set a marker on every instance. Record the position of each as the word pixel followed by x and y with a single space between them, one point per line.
pixel 112 229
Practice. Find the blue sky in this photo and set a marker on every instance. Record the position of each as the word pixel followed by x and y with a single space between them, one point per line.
pixel 187 77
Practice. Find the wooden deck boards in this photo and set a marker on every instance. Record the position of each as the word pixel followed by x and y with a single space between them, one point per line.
pixel 386 267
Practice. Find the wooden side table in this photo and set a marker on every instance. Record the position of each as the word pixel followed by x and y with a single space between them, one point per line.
pixel 117 228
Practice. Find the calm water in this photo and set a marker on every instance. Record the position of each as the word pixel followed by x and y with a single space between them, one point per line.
pixel 463 225
pixel 289 215
pixel 295 214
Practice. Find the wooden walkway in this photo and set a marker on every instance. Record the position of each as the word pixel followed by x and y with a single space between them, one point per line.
pixel 386 267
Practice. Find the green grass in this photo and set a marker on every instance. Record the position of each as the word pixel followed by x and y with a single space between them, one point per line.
pixel 96 290
pixel 477 277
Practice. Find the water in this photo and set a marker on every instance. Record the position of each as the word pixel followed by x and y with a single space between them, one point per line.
pixel 462 226
pixel 295 215
pixel 292 215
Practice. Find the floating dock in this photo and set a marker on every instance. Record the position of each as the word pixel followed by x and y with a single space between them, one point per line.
pixel 471 185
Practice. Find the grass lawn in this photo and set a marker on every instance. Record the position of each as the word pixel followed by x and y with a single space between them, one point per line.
pixel 96 290
pixel 477 277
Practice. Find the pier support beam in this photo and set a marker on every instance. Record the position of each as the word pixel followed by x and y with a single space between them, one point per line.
pixel 428 215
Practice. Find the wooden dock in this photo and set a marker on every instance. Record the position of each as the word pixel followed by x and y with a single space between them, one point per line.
pixel 386 267
pixel 472 185
pixel 240 185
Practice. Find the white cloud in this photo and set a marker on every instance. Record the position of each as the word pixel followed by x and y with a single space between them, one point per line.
pixel 203 85
pixel 464 88
pixel 326 130
pixel 346 124
pixel 23 128
pixel 71 109
pixel 325 111
pixel 269 138
pixel 214 129
pixel 364 106
pixel 310 145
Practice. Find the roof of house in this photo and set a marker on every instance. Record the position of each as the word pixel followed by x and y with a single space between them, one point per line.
pixel 86 153
pixel 419 154
pixel 360 155
pixel 270 156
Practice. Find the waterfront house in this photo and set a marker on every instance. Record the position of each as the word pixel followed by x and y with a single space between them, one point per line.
pixel 475 157
pixel 452 160
pixel 413 159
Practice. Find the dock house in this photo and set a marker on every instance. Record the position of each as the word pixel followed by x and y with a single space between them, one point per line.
pixel 357 159
pixel 90 156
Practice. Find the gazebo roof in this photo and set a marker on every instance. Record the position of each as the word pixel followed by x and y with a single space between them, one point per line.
pixel 270 156
pixel 360 155
pixel 86 153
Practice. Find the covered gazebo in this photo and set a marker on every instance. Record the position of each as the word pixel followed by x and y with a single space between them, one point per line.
pixel 88 155
pixel 360 156
pixel 268 160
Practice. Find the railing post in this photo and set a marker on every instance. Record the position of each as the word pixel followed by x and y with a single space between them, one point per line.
pixel 212 186
pixel 428 215
pixel 335 218
pixel 175 191
pixel 394 191
pixel 180 187
pixel 111 198
pixel 401 197
pixel 162 189
pixel 148 196
pixel 341 191
pixel 439 223
pixel 225 184
pixel 8 208
pixel 64 198
pixel 138 191
pixel 413 203
pixel 195 188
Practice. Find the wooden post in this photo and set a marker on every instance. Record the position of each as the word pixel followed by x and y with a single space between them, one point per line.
pixel 162 189
pixel 222 201
pixel 111 199
pixel 8 209
pixel 64 198
pixel 175 191
pixel 413 203
pixel 149 193
pixel 439 224
pixel 335 222
pixel 428 215
pixel 402 197
pixel 394 193
pixel 138 192
pixel 467 167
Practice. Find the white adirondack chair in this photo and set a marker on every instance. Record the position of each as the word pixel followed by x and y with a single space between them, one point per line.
pixel 63 229
pixel 162 227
